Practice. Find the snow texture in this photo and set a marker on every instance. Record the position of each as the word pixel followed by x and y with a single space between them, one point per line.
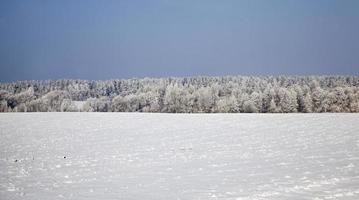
pixel 179 156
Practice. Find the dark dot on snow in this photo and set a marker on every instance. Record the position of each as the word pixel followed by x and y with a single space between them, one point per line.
pixel 15 160
pixel 64 156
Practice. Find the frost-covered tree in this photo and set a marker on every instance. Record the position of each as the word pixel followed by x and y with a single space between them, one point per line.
pixel 129 103
pixel 149 102
pixel 318 99
pixel 353 100
pixel 68 106
pixel 300 97
pixel 20 99
pixel 37 105
pixel 97 105
pixel 119 104
pixel 227 105
pixel 272 107
pixel 53 100
pixel 307 105
pixel 3 106
pixel 187 94
pixel 287 100
pixel 206 99
pixel 175 99
pixel 21 108
pixel 250 107
pixel 256 98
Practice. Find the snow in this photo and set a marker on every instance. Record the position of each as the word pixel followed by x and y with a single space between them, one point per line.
pixel 179 156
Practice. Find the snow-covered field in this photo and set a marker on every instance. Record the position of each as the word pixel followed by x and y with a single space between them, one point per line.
pixel 179 156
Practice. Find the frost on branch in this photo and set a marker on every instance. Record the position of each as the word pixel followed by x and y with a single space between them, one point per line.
pixel 227 94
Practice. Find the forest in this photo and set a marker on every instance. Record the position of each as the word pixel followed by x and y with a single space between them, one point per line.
pixel 202 94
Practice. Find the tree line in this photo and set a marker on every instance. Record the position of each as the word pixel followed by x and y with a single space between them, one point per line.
pixel 227 94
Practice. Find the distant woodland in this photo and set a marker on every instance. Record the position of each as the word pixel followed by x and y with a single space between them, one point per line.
pixel 227 94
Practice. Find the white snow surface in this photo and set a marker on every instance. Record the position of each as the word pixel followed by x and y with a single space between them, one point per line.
pixel 178 156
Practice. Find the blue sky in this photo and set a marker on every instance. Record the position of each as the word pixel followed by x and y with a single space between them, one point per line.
pixel 90 39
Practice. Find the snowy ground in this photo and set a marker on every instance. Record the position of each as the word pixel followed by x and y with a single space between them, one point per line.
pixel 179 156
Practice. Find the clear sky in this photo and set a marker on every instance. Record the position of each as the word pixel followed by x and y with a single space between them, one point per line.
pixel 154 38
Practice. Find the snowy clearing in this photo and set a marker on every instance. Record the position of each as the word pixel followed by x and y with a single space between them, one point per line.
pixel 179 156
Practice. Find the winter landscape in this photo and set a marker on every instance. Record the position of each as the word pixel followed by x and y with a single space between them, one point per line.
pixel 179 100
pixel 186 138
pixel 179 156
